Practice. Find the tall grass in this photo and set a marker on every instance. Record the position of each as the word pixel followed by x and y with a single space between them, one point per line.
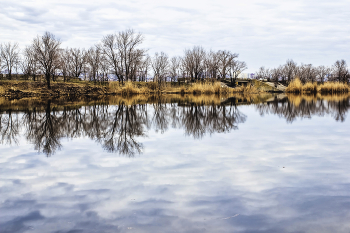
pixel 334 87
pixel 295 86
pixel 329 87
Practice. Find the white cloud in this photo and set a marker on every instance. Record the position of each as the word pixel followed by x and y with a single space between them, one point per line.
pixel 262 32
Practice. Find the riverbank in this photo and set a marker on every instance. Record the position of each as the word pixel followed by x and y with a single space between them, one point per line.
pixel 21 89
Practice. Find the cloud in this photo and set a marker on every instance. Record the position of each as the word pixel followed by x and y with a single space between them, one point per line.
pixel 262 32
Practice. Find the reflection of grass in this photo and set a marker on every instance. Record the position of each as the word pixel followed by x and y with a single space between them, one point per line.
pixel 329 87
pixel 296 99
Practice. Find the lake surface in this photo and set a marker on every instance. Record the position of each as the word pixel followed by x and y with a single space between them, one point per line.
pixel 175 164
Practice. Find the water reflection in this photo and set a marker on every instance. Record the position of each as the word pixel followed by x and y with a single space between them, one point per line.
pixel 292 107
pixel 277 177
pixel 117 123
pixel 116 127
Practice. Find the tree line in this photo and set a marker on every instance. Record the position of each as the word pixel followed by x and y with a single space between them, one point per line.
pixel 289 71
pixel 119 56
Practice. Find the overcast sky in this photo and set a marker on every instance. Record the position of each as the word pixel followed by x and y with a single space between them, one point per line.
pixel 264 33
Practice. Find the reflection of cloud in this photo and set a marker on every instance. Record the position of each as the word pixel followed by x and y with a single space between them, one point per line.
pixel 263 33
pixel 190 185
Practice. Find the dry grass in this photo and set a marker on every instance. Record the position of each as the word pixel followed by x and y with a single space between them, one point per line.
pixel 152 87
pixel 249 89
pixel 334 87
pixel 2 90
pixel 310 87
pixel 295 86
pixel 329 87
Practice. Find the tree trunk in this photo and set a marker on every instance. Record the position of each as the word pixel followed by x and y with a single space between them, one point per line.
pixel 47 76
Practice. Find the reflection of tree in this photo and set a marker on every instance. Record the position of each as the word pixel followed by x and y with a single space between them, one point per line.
pixel 117 127
pixel 9 127
pixel 128 122
pixel 44 129
pixel 305 108
pixel 199 120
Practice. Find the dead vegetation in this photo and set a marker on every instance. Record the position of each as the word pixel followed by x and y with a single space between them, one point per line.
pixel 329 87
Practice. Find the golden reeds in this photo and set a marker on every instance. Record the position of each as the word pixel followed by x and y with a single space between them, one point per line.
pixel 334 87
pixel 329 87
pixel 295 86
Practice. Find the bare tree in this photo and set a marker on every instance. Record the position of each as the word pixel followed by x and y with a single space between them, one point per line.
pixel 29 64
pixel 340 71
pixel 236 68
pixel 143 68
pixel 263 73
pixel 160 66
pixel 289 70
pixel 123 53
pixel 94 58
pixel 174 70
pixel 193 62
pixel 225 60
pixel 323 73
pixel 9 53
pixel 211 65
pixel 65 63
pixel 78 62
pixel 47 53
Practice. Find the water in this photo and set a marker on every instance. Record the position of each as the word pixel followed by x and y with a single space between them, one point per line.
pixel 175 164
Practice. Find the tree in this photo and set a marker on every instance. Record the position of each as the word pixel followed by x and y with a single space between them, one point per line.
pixel 193 62
pixel 289 70
pixel 340 71
pixel 174 69
pixel 122 53
pixel 94 59
pixel 47 53
pixel 29 64
pixel 323 72
pixel 160 66
pixel 225 59
pixel 236 68
pixel 78 62
pixel 9 53
pixel 65 63
pixel 211 64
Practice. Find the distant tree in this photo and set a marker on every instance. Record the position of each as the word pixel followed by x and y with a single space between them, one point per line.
pixel 236 68
pixel 65 63
pixel 211 65
pixel 94 59
pixel 9 53
pixel 122 52
pixel 225 59
pixel 340 71
pixel 174 70
pixel 289 70
pixel 78 62
pixel 29 64
pixel 47 53
pixel 322 73
pixel 193 61
pixel 160 66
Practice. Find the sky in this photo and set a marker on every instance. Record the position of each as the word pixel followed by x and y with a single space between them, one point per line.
pixel 264 33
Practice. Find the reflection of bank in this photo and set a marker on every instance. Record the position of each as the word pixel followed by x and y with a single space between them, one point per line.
pixel 118 127
pixel 117 124
pixel 292 107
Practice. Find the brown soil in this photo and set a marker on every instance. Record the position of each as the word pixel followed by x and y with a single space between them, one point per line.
pixel 20 89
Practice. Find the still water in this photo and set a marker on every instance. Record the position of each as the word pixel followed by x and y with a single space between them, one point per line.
pixel 175 164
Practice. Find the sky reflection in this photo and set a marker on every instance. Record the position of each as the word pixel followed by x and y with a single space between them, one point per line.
pixel 267 176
